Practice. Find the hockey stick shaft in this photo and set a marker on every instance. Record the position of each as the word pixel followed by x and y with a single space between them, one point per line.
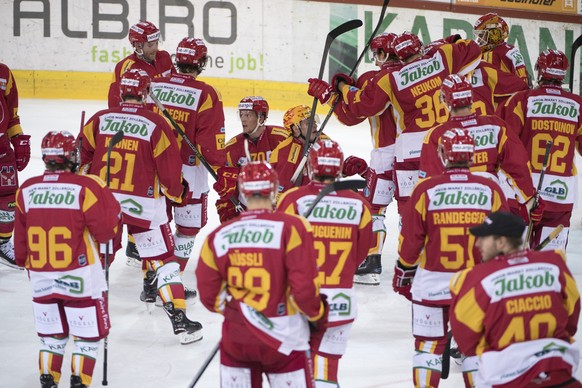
pixel 204 365
pixel 308 143
pixel 335 186
pixel 191 145
pixel 575 46
pixel 540 183
pixel 112 142
pixel 341 29
pixel 550 237
pixel 446 361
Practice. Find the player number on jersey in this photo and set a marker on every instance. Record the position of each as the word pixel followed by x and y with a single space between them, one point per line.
pixel 339 251
pixel 252 286
pixel 455 241
pixel 432 109
pixel 558 152
pixel 515 331
pixel 48 247
pixel 118 164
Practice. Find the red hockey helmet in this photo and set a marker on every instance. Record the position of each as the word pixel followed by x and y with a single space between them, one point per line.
pixel 255 103
pixel 490 31
pixel 59 147
pixel 258 178
pixel 191 51
pixel 406 45
pixel 326 158
pixel 143 32
pixel 384 42
pixel 134 82
pixel 456 91
pixel 456 145
pixel 552 65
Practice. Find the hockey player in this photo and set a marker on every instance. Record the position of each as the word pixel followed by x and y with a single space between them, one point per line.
pixel 379 181
pixel 548 113
pixel 144 38
pixel 259 271
pixel 495 146
pixel 490 32
pixel 145 169
pixel 262 139
pixel 61 218
pixel 342 230
pixel 14 157
pixel 413 91
pixel 518 311
pixel 434 244
pixel 197 108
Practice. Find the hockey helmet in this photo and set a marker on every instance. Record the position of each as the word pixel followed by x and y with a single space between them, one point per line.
pixel 191 51
pixel 455 146
pixel 456 91
pixel 134 82
pixel 552 65
pixel 255 103
pixel 406 45
pixel 258 178
pixel 325 159
pixel 143 32
pixel 296 115
pixel 59 147
pixel 490 31
pixel 384 42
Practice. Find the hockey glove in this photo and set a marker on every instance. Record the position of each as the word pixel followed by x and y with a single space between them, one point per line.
pixel 402 281
pixel 21 144
pixel 186 194
pixel 226 210
pixel 341 77
pixel 354 165
pixel 226 183
pixel 530 213
pixel 387 187
pixel 318 327
pixel 319 89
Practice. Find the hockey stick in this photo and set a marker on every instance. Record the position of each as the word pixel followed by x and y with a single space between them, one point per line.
pixel 446 360
pixel 575 46
pixel 334 186
pixel 204 365
pixel 537 195
pixel 341 29
pixel 186 140
pixel 308 144
pixel 114 140
pixel 550 237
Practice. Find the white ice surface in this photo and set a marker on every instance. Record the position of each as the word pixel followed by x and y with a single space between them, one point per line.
pixel 143 352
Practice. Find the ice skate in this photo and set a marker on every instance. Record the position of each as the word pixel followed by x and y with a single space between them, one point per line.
pixel 190 294
pixel 76 382
pixel 133 259
pixel 7 255
pixel 369 271
pixel 47 381
pixel 188 331
pixel 150 288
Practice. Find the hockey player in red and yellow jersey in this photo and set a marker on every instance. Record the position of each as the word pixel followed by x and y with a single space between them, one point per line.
pixel 262 140
pixel 490 32
pixel 434 244
pixel 197 109
pixel 495 146
pixel 413 91
pixel 15 155
pixel 144 38
pixel 548 113
pixel 517 312
pixel 342 230
pixel 259 270
pixel 61 219
pixel 379 180
pixel 146 168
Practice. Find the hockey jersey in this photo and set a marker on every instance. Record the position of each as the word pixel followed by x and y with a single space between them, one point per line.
pixel 144 167
pixel 342 231
pixel 61 218
pixel 197 109
pixel 519 313
pixel 509 60
pixel 543 114
pixel 495 147
pixel 9 119
pixel 264 264
pixel 435 230
pixel 161 67
pixel 259 148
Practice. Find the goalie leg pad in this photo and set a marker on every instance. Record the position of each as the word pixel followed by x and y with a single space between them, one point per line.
pixel 170 287
pixel 83 359
pixel 51 354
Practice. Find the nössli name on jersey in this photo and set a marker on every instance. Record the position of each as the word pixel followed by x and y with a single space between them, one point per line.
pixel 249 234
pixel 556 107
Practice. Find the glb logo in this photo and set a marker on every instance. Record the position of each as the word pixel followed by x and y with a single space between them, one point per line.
pixel 558 189
pixel 341 305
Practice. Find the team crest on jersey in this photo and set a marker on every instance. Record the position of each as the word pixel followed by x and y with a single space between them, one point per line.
pixel 341 304
pixel 7 176
pixel 131 206
pixel 69 283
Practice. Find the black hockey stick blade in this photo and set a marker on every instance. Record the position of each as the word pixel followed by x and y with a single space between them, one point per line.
pixel 341 29
pixel 115 140
pixel 550 237
pixel 204 365
pixel 335 186
pixel 446 363
pixel 575 46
